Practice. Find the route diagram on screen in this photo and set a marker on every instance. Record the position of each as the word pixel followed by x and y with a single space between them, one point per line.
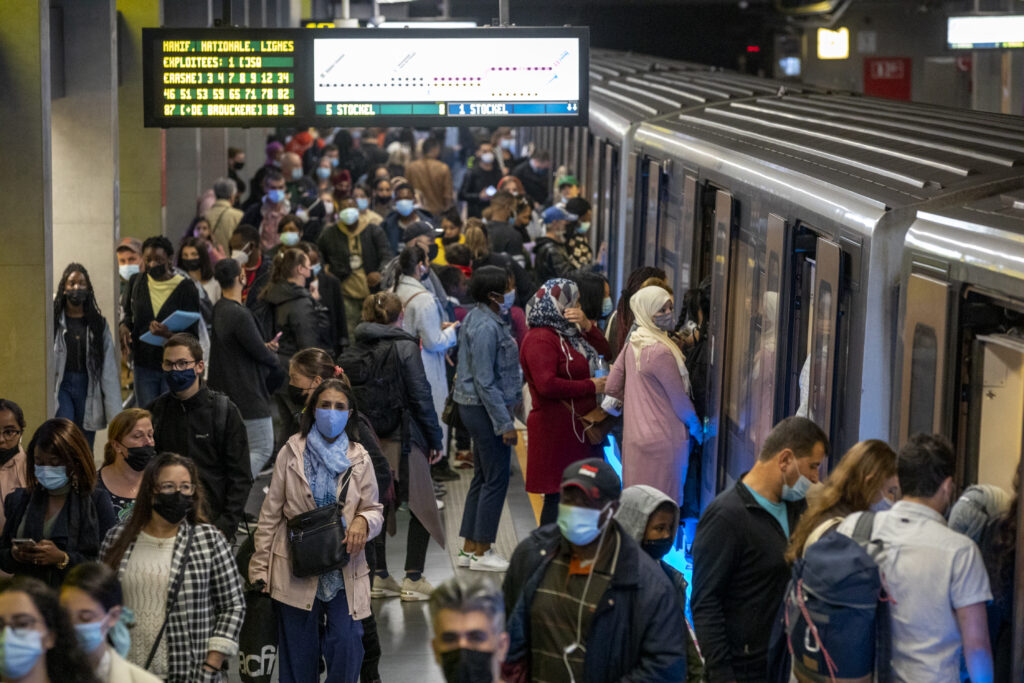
pixel 433 70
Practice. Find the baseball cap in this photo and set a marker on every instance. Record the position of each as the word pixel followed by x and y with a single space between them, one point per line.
pixel 594 477
pixel 554 213
pixel 130 243
pixel 418 228
pixel 566 180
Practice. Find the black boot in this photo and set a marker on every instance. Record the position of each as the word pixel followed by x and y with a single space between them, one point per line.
pixel 442 471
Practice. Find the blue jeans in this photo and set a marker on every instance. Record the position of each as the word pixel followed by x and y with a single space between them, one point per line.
pixel 492 466
pixel 149 385
pixel 304 637
pixel 261 442
pixel 71 400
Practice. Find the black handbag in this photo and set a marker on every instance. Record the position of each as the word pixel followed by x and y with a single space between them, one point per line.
pixel 316 539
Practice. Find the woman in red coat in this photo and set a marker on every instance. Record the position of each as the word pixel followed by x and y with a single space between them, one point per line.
pixel 559 356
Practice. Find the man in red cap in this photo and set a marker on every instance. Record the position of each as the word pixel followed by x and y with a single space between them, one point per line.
pixel 585 603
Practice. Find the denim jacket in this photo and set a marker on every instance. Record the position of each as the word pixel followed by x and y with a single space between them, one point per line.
pixel 488 372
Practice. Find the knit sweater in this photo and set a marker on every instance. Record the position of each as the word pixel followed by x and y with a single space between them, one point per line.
pixel 145 591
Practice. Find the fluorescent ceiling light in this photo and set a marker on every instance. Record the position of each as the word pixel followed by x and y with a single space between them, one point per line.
pixel 398 23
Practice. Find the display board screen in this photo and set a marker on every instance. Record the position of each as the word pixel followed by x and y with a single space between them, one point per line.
pixel 357 77
pixel 997 31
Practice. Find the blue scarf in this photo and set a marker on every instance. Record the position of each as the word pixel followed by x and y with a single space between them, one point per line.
pixel 324 463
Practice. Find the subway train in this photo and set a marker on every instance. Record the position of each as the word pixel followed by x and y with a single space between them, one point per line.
pixel 868 250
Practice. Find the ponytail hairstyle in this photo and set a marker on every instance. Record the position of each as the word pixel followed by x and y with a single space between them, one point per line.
pixel 285 264
pixel 313 363
pixel 410 257
pixel 383 308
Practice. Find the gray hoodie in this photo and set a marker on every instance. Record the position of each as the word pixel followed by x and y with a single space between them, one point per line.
pixel 636 506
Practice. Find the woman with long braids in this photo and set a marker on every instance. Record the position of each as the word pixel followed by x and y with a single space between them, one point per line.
pixel 87 383
pixel 39 644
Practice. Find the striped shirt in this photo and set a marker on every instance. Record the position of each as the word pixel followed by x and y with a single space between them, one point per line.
pixel 556 607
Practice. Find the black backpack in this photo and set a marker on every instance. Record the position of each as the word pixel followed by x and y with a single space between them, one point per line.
pixel 375 373
pixel 834 622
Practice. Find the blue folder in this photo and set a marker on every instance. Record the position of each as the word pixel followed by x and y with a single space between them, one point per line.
pixel 177 321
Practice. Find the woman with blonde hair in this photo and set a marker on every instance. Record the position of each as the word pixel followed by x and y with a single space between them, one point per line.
pixel 865 478
pixel 129 449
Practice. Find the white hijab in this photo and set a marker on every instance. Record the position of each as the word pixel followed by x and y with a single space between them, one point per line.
pixel 644 304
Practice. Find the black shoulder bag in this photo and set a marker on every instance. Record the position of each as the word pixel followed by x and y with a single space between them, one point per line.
pixel 175 592
pixel 316 539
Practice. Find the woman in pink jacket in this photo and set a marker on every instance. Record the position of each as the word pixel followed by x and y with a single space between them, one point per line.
pixel 651 380
pixel 308 474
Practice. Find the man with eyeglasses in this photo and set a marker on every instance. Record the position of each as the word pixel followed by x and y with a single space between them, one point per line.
pixel 204 425
pixel 470 642
pixel 12 455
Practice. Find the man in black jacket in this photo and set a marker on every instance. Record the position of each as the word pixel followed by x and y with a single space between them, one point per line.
pixel 535 174
pixel 630 628
pixel 481 181
pixel 551 256
pixel 739 570
pixel 501 233
pixel 203 425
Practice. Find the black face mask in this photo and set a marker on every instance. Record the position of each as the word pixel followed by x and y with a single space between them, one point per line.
pixel 139 456
pixel 296 395
pixel 158 272
pixel 8 453
pixel 76 297
pixel 467 666
pixel 172 506
pixel 190 264
pixel 239 165
pixel 658 548
pixel 432 251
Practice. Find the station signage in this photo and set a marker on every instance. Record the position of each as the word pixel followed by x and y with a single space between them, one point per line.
pixel 359 77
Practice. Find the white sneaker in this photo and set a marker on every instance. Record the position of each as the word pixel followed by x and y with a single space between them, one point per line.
pixel 464 559
pixel 385 588
pixel 490 561
pixel 414 591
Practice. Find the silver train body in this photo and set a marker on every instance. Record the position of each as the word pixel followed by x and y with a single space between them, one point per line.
pixel 876 246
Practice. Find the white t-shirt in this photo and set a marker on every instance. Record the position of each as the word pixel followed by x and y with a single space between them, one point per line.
pixel 930 571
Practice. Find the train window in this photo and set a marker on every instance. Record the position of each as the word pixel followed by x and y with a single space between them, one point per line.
pixel 821 354
pixel 922 379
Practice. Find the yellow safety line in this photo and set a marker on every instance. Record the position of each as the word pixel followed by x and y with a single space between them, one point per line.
pixel 536 499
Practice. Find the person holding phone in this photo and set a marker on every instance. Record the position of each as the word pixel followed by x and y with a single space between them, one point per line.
pixel 321 465
pixel 483 173
pixel 59 519
pixel 242 365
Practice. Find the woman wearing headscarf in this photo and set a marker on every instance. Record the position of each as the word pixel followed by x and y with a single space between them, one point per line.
pixel 559 356
pixel 650 377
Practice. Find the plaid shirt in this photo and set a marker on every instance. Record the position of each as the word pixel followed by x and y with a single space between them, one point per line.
pixel 209 611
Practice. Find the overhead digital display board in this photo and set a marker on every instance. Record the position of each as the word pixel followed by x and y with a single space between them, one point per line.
pixel 358 77
pixel 994 31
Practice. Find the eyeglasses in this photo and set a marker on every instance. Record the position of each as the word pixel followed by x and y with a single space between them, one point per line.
pixel 178 364
pixel 171 487
pixel 9 434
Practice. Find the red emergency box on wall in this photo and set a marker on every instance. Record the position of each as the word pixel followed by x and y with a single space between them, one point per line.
pixel 887 77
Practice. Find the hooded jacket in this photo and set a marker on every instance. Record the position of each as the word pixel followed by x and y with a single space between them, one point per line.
pixel 634 634
pixel 103 397
pixel 295 316
pixel 424 428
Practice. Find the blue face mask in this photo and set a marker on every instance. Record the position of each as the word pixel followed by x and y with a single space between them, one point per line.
pixel 606 307
pixel 52 477
pixel 583 227
pixel 290 239
pixel 578 525
pixel 331 423
pixel 323 173
pixel 797 491
pixel 20 649
pixel 296 173
pixel 404 207
pixel 316 269
pixel 349 215
pixel 507 300
pixel 90 636
pixel 335 161
pixel 882 505
pixel 127 270
pixel 363 203
pixel 275 196
pixel 180 380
